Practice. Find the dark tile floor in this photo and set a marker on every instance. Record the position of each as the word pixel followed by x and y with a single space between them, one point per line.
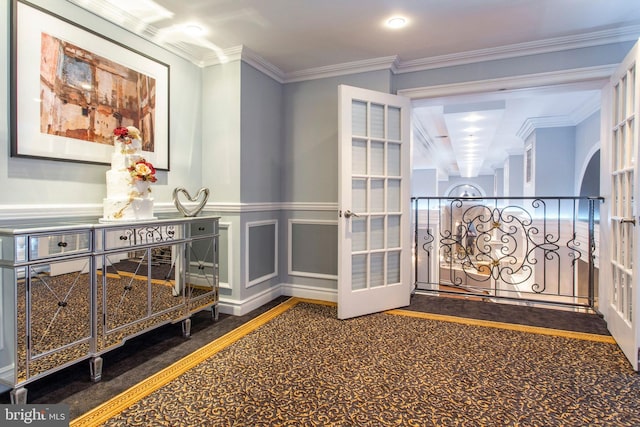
pixel 147 354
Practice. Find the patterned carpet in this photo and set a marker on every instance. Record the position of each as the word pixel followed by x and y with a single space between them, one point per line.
pixel 297 365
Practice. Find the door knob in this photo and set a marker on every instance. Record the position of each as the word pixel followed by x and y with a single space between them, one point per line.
pixel 628 221
pixel 349 214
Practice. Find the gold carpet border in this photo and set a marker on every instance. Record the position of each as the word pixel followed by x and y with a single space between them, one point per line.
pixel 119 403
pixel 509 326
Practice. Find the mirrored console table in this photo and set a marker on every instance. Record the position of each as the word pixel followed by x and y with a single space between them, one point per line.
pixel 73 289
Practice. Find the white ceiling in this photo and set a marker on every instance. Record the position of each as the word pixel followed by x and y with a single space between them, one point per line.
pixel 298 39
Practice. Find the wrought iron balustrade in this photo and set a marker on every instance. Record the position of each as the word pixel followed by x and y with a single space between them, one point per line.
pixel 530 249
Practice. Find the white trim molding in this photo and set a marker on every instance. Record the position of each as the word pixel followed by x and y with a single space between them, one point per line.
pixel 596 38
pixel 301 291
pixel 227 284
pixel 234 307
pixel 241 307
pixel 290 269
pixel 582 78
pixel 247 251
pixel 32 211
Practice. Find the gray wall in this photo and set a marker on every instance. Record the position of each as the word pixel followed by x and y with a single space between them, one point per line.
pixel 554 152
pixel 310 155
pixel 498 184
pixel 221 128
pixel 424 182
pixel 261 125
pixel 514 175
pixel 587 143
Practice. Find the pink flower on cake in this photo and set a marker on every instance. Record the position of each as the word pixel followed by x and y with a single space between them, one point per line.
pixel 143 171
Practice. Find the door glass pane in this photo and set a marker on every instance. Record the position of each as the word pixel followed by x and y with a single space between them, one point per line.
pixel 614 202
pixel 629 299
pixel 359 157
pixel 359 195
pixel 377 232
pixel 623 242
pixel 632 89
pixel 393 159
pixel 623 194
pixel 629 260
pixel 358 272
pixel 377 121
pixel 623 95
pixel 632 143
pixel 393 199
pixel 377 195
pixel 393 231
pixel 616 104
pixel 632 194
pixel 377 158
pixel 393 267
pixel 359 234
pixel 615 149
pixel 393 123
pixel 622 291
pixel 359 118
pixel 625 149
pixel 377 270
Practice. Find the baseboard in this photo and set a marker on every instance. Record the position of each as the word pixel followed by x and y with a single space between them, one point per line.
pixel 301 291
pixel 241 307
pixel 233 307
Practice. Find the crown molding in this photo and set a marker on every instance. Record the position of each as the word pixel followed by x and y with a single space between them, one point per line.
pixel 534 123
pixel 596 38
pixel 586 110
pixel 374 64
pixel 573 119
pixel 245 54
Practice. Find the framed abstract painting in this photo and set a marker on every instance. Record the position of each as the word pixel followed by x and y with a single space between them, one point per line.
pixel 71 87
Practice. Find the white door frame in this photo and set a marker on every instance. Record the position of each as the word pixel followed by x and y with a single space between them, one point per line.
pixel 595 78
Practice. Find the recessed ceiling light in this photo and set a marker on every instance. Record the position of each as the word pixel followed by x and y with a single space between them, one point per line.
pixel 193 30
pixel 473 117
pixel 396 22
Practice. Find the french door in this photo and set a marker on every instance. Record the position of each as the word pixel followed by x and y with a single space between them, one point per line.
pixel 621 124
pixel 374 247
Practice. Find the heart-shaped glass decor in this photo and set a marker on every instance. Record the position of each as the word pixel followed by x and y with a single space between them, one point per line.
pixel 204 192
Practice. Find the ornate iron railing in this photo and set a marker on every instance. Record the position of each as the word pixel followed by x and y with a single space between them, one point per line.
pixel 536 250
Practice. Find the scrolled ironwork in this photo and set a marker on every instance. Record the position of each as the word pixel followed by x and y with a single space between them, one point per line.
pixel 499 246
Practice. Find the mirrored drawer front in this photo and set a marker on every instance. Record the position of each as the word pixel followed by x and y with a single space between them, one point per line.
pixel 199 228
pixel 49 245
pixel 142 235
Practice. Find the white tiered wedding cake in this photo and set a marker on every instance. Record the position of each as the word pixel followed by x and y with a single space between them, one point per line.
pixel 128 180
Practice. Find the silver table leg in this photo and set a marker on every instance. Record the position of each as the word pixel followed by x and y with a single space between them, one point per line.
pixel 18 396
pixel 95 366
pixel 186 328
